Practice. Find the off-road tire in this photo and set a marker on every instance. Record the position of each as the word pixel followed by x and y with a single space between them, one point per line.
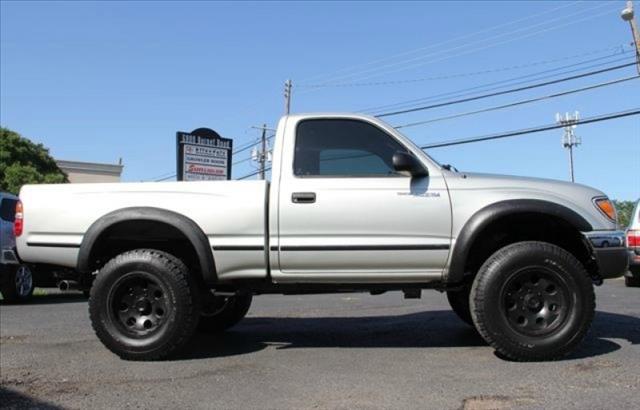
pixel 459 301
pixel 492 303
pixel 235 308
pixel 9 287
pixel 173 282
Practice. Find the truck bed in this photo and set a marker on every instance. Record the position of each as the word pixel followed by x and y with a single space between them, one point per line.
pixel 230 213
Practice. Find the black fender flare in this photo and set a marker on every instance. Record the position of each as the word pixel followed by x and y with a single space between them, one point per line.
pixel 485 216
pixel 186 226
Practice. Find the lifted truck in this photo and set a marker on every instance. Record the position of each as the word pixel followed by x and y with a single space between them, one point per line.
pixel 352 206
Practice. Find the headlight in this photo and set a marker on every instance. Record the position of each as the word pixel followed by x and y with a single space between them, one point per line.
pixel 606 207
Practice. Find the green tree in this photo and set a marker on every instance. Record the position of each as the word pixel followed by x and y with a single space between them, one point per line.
pixel 624 210
pixel 24 162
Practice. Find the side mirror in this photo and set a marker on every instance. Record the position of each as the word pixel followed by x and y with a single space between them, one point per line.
pixel 403 161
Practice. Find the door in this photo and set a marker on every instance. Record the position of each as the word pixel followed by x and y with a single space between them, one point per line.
pixel 345 210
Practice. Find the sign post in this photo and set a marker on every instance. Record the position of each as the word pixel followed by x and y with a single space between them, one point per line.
pixel 203 155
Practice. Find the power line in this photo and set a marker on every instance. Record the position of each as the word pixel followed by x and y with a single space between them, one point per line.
pixel 254 173
pixel 242 160
pixel 165 178
pixel 619 47
pixel 510 91
pixel 473 45
pixel 513 81
pixel 489 137
pixel 253 144
pixel 521 102
pixel 355 69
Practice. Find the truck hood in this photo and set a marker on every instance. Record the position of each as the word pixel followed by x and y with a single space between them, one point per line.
pixel 574 196
pixel 495 181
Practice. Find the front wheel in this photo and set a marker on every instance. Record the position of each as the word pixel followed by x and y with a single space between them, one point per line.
pixel 532 301
pixel 143 305
pixel 18 285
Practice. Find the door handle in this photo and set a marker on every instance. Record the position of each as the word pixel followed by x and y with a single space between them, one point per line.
pixel 303 197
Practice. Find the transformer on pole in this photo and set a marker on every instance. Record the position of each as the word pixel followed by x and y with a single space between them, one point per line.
pixel 569 139
pixel 262 155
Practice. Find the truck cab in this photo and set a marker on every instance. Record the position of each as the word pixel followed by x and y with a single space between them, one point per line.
pixel 342 211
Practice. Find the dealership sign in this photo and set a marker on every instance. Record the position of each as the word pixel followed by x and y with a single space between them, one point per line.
pixel 203 155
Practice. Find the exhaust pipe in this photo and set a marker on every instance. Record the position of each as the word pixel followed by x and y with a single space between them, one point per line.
pixel 65 285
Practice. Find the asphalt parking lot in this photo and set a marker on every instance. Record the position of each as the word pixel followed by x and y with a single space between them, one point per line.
pixel 321 351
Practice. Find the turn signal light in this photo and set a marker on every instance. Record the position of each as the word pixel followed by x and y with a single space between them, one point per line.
pixel 607 208
pixel 18 224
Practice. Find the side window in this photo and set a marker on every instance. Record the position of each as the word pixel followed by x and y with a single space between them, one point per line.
pixel 336 147
pixel 8 210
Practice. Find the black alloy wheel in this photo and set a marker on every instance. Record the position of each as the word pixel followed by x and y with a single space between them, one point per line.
pixel 139 304
pixel 536 301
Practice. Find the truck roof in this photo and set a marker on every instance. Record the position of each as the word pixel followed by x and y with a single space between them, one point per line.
pixel 333 115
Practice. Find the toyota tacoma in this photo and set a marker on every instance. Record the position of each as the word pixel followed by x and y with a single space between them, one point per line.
pixel 352 206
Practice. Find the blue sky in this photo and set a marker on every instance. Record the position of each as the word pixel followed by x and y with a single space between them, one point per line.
pixel 95 81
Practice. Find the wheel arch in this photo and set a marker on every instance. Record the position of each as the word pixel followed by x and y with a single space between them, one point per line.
pixel 99 231
pixel 479 223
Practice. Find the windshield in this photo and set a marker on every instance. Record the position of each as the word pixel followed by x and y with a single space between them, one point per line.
pixel 415 146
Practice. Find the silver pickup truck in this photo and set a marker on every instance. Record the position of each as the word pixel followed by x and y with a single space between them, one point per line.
pixel 352 206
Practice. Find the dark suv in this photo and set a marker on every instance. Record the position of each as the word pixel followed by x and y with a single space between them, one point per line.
pixel 16 279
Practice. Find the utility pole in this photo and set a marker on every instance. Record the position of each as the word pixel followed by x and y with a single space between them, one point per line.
pixel 287 96
pixel 263 150
pixel 262 155
pixel 569 139
pixel 627 15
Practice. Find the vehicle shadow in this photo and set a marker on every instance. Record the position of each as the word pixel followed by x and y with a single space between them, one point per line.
pixel 12 399
pixel 52 298
pixel 424 330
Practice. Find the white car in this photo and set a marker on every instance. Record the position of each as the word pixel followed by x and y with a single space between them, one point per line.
pixel 352 206
pixel 632 277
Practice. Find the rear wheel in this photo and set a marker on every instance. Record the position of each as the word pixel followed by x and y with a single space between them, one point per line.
pixel 219 313
pixel 143 305
pixel 18 285
pixel 532 301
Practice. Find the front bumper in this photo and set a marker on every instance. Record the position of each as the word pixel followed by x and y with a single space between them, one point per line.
pixel 610 252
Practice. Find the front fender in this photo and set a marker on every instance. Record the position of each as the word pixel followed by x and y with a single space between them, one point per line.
pixel 485 216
